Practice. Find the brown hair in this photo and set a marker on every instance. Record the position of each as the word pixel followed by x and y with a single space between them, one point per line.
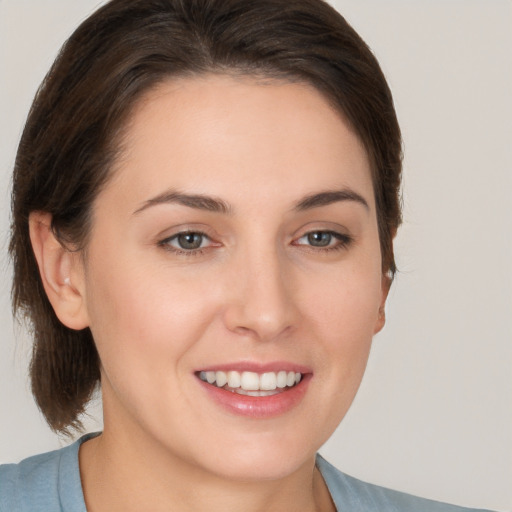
pixel 119 53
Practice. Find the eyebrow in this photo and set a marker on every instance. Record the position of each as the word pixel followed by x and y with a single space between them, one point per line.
pixel 216 205
pixel 329 197
pixel 198 201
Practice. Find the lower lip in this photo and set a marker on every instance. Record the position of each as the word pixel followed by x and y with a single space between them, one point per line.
pixel 258 406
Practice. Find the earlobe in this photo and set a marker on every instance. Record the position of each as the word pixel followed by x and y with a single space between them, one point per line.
pixel 61 272
pixel 381 318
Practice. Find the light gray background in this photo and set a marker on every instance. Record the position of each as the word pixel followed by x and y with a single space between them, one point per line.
pixel 434 414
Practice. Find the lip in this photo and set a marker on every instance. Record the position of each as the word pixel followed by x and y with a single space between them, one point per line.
pixel 258 407
pixel 251 366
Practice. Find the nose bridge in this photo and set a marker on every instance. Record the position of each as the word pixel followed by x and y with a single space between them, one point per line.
pixel 262 303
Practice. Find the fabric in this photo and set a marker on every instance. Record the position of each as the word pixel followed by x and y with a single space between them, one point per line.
pixel 351 494
pixel 51 483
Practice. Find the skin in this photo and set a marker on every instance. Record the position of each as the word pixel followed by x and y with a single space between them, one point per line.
pixel 256 291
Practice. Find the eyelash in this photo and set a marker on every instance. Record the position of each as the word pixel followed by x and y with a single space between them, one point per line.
pixel 344 241
pixel 166 244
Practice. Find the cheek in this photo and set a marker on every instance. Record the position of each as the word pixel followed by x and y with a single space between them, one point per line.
pixel 346 304
pixel 144 317
pixel 344 315
pixel 346 328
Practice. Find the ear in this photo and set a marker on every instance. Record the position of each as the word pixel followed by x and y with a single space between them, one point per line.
pixel 61 272
pixel 381 319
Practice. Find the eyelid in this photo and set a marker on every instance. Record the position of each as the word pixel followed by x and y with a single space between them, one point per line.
pixel 163 240
pixel 179 229
pixel 344 240
pixel 170 238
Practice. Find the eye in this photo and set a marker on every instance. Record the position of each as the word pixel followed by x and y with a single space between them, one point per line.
pixel 187 241
pixel 325 240
pixel 319 238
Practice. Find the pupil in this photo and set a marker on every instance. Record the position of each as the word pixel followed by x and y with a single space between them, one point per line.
pixel 319 239
pixel 190 240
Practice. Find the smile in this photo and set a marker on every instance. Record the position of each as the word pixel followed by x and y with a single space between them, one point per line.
pixel 252 383
pixel 256 390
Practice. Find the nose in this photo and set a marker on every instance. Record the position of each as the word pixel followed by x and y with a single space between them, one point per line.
pixel 262 303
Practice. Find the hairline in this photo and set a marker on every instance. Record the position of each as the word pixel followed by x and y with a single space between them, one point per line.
pixel 267 76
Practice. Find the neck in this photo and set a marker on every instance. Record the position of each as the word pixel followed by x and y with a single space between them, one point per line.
pixel 118 474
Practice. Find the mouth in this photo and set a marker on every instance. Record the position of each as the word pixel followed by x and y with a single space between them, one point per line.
pixel 256 394
pixel 252 383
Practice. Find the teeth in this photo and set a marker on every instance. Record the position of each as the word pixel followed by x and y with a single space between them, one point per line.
pixel 221 379
pixel 281 380
pixel 250 381
pixel 233 380
pixel 264 384
pixel 240 391
pixel 268 381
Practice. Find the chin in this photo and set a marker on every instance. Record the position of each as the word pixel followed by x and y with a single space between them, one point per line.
pixel 263 468
pixel 272 456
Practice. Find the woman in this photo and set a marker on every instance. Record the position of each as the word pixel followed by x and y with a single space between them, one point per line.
pixel 204 203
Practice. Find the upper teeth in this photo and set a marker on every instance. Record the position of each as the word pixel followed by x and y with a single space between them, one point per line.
pixel 251 381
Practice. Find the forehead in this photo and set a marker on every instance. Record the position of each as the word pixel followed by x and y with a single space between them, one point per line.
pixel 219 134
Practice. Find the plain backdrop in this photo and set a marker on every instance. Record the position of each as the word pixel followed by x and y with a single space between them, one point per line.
pixel 434 413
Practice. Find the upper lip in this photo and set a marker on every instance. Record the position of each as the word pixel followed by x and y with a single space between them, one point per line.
pixel 257 367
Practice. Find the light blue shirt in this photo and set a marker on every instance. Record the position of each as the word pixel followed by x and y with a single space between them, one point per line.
pixel 51 483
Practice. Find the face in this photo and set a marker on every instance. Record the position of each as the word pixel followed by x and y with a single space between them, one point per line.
pixel 237 240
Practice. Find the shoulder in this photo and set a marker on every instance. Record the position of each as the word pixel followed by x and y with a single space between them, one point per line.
pixel 349 493
pixel 33 480
pixel 50 481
